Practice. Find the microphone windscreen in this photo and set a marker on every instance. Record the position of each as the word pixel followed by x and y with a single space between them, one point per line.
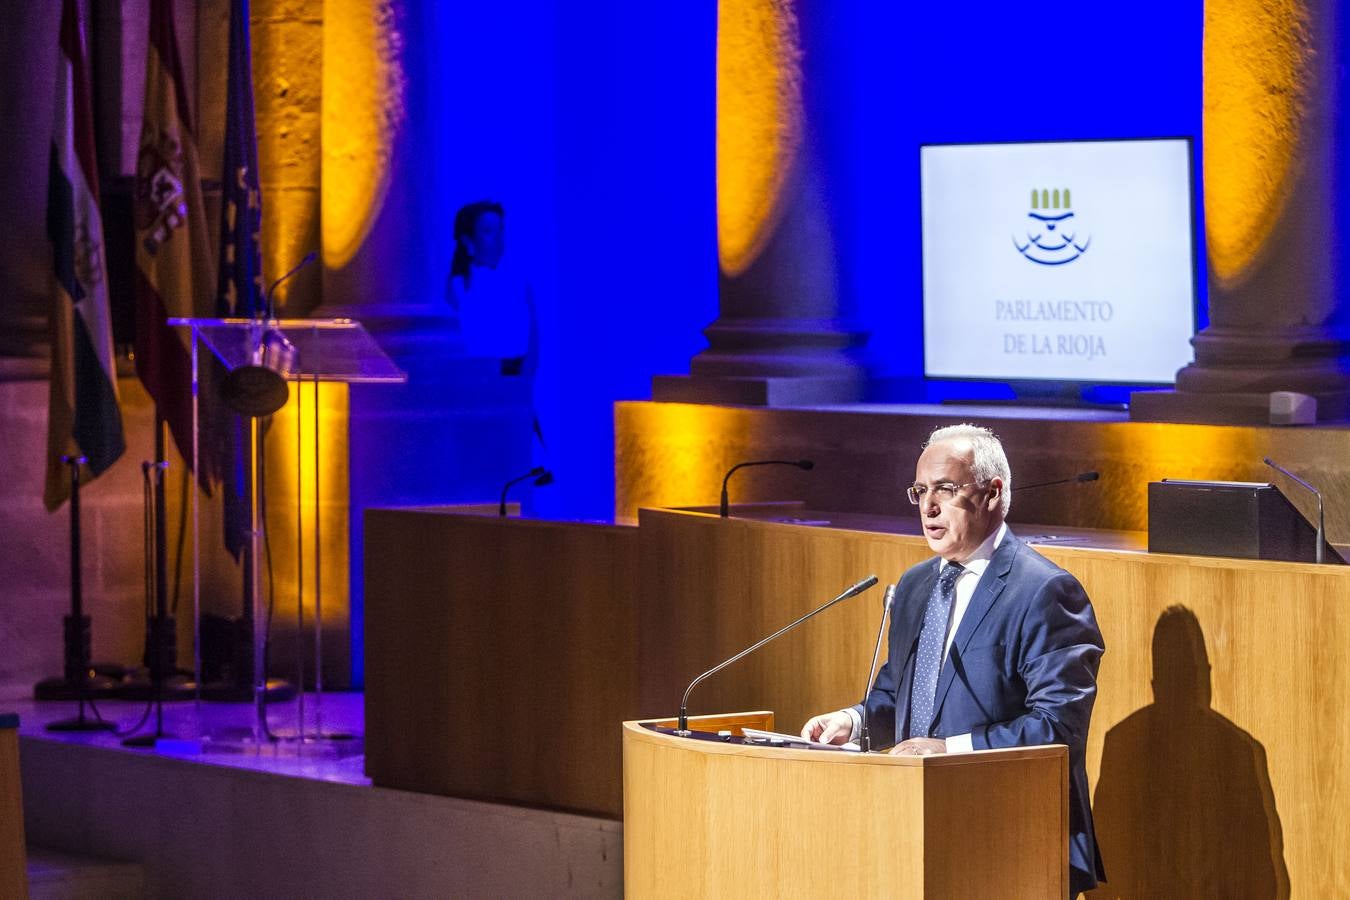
pixel 806 465
pixel 1089 476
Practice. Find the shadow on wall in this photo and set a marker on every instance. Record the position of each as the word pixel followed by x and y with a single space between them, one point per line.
pixel 1184 807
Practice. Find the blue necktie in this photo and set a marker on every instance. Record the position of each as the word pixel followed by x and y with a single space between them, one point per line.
pixel 932 640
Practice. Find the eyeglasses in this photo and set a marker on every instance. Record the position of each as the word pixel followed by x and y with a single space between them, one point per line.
pixel 942 491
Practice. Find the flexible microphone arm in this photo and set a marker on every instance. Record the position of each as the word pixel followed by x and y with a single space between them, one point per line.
pixel 805 465
pixel 267 298
pixel 541 477
pixel 684 702
pixel 1321 516
pixel 1080 477
pixel 865 737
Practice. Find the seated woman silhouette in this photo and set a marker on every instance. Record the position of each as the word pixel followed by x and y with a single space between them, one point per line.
pixel 492 300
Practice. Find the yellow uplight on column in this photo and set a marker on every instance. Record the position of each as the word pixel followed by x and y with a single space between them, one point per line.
pixel 308 487
pixel 1258 73
pixel 362 114
pixel 759 122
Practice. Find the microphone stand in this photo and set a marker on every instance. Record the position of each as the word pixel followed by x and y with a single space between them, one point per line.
pixel 853 591
pixel 1079 478
pixel 267 311
pixel 805 465
pixel 865 736
pixel 541 478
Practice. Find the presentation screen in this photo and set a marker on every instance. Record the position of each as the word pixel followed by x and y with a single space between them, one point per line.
pixel 1069 261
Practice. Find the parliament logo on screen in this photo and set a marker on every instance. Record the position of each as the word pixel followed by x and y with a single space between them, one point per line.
pixel 1052 232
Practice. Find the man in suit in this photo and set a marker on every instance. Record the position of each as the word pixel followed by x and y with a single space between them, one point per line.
pixel 991 644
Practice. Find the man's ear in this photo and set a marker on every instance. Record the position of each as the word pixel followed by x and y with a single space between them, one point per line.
pixel 995 493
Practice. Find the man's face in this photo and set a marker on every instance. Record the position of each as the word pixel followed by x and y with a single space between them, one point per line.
pixel 955 528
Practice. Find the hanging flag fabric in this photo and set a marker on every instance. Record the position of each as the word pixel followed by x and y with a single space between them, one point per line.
pixel 174 276
pixel 83 416
pixel 239 291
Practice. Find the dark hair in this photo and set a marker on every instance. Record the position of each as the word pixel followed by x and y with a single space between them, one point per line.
pixel 465 220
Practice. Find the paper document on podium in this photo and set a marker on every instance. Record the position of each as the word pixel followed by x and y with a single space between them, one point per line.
pixel 775 738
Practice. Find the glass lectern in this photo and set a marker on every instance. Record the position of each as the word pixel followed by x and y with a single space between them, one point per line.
pixel 313 351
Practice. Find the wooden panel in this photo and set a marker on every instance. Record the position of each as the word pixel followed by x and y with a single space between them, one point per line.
pixel 675 454
pixel 712 820
pixel 1219 741
pixel 1218 763
pixel 1022 816
pixel 712 587
pixel 500 657
pixel 13 854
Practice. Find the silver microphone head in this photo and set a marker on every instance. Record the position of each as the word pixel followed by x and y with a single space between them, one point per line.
pixel 890 596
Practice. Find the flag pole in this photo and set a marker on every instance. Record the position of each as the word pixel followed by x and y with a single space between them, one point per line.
pixel 77 623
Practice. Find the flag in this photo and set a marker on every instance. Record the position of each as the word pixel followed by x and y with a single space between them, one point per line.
pixel 83 415
pixel 174 277
pixel 239 290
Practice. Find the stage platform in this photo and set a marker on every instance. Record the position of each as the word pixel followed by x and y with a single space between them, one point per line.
pixel 206 816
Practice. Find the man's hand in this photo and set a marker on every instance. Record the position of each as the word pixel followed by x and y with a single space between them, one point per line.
pixel 831 728
pixel 919 747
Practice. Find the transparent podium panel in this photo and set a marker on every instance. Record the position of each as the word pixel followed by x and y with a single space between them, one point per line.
pixel 324 349
pixel 264 358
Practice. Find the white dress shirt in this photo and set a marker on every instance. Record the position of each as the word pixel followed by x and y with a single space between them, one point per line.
pixel 966 583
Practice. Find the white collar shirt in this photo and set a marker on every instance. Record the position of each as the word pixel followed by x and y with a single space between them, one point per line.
pixel 968 580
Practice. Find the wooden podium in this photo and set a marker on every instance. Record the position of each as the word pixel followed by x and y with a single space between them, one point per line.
pixel 714 818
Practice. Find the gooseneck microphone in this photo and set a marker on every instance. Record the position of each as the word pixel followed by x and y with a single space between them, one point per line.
pixel 258 388
pixel 853 591
pixel 267 298
pixel 805 465
pixel 1077 479
pixel 1321 516
pixel 865 736
pixel 541 477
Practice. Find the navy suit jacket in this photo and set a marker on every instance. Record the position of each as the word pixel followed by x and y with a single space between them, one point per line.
pixel 1022 670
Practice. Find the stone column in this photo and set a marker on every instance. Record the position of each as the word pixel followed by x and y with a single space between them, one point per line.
pixel 1272 144
pixel 458 429
pixel 782 337
pixel 28 69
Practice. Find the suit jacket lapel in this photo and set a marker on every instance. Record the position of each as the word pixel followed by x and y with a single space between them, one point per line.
pixel 986 592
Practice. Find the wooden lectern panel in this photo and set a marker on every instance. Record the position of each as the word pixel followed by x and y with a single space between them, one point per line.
pixel 1217 756
pixel 500 654
pixel 13 853
pixel 705 819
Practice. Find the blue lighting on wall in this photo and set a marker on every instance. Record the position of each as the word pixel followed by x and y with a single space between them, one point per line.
pixel 593 124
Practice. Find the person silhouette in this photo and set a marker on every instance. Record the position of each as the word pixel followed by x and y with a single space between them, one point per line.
pixel 493 301
pixel 1184 806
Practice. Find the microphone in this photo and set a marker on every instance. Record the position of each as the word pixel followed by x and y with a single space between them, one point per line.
pixel 805 465
pixel 865 737
pixel 267 298
pixel 1080 477
pixel 258 388
pixel 853 591
pixel 1321 517
pixel 541 477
